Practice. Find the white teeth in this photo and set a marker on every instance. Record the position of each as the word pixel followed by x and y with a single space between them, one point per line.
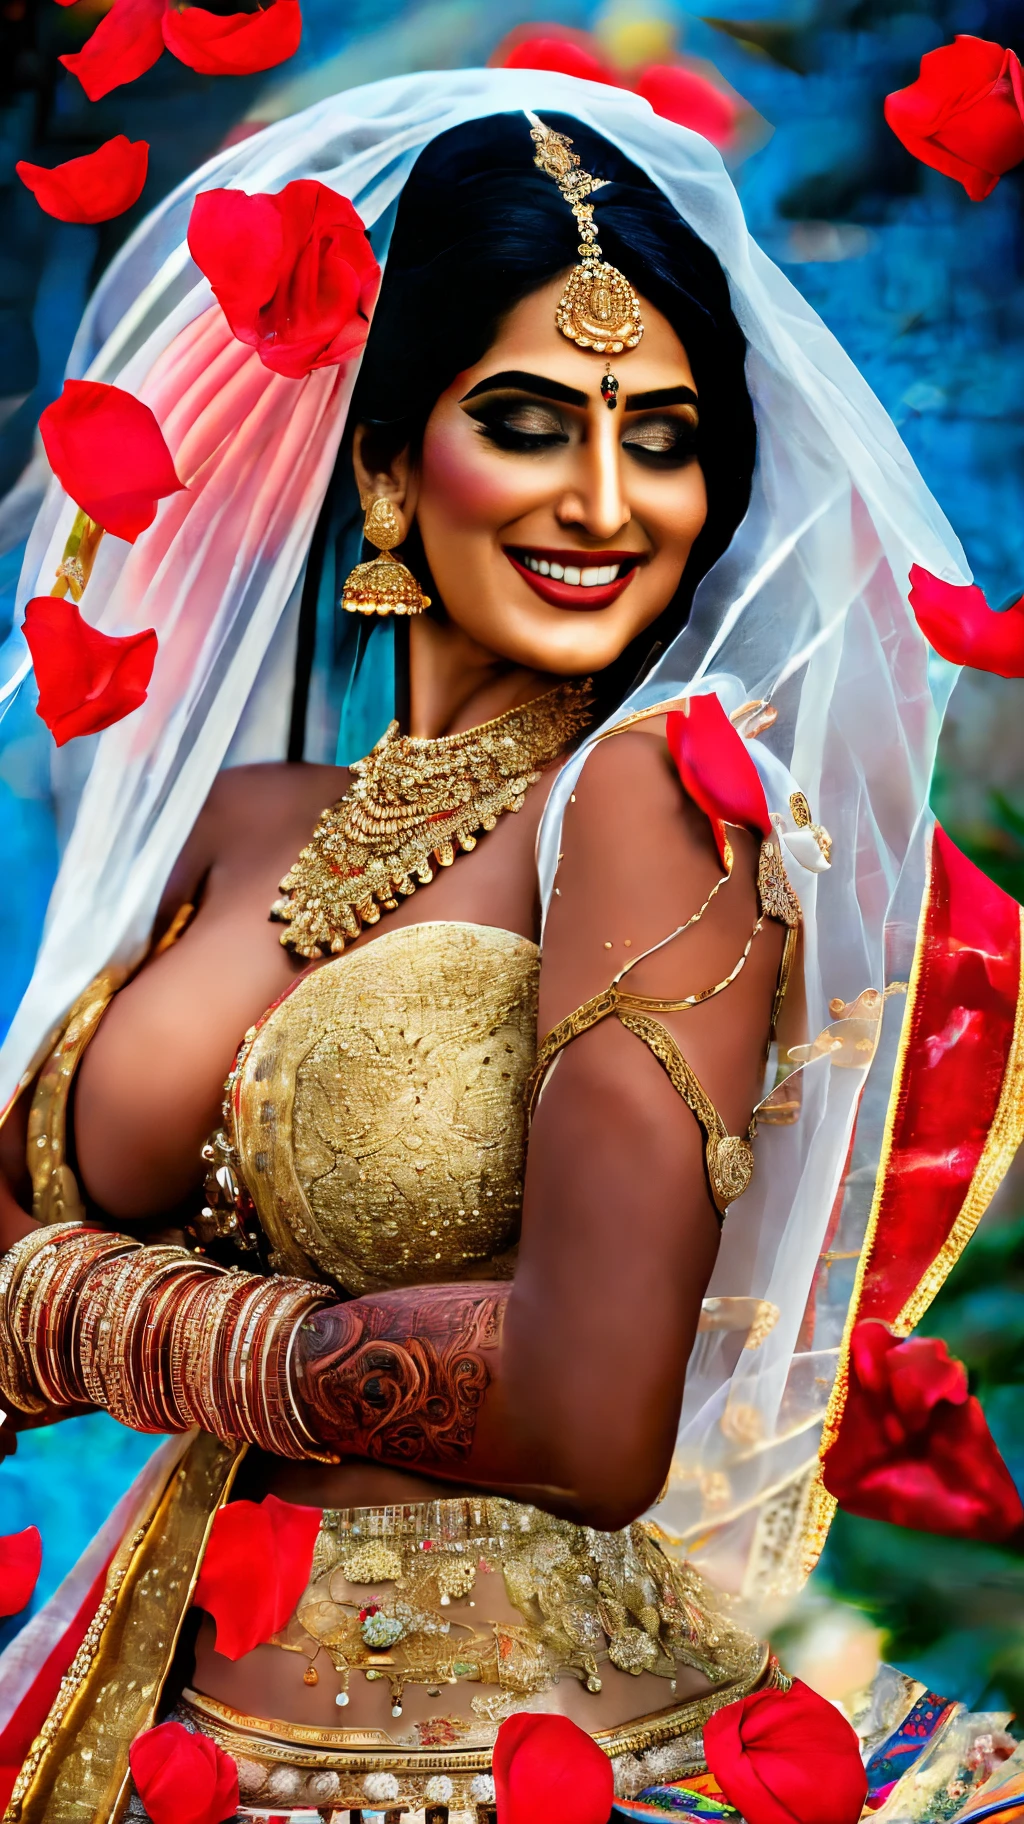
pixel 592 577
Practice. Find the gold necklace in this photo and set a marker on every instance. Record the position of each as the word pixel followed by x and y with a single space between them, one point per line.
pixel 416 802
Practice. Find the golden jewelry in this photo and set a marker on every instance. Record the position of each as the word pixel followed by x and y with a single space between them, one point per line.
pixel 392 1590
pixel 383 586
pixel 414 803
pixel 598 308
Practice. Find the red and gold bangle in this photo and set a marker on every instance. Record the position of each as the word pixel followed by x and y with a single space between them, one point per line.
pixel 205 1386
pixel 111 1363
pixel 93 1321
pixel 187 1314
pixel 131 1388
pixel 16 1382
pixel 159 1338
pixel 249 1323
pixel 51 1332
pixel 282 1427
pixel 99 1338
pixel 28 1286
pixel 52 1345
pixel 71 1297
pixel 38 1279
pixel 154 1348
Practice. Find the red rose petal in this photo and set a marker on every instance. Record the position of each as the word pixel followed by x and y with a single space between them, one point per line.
pixel 716 769
pixel 548 51
pixel 956 619
pixel 293 273
pixel 87 679
pixel 256 1566
pixel 964 115
pixel 547 1767
pixel 92 189
pixel 107 451
pixel 183 1778
pixel 690 100
pixel 786 1757
pixel 236 44
pixel 124 45
pixel 913 1448
pixel 21 1556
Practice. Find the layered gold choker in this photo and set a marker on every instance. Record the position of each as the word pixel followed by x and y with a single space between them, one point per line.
pixel 414 804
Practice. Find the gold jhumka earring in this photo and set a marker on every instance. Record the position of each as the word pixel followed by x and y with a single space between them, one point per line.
pixel 598 308
pixel 383 586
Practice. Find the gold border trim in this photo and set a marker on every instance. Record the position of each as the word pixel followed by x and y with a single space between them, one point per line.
pixel 1004 1138
pixel 822 1505
pixel 55 1193
pixel 77 1766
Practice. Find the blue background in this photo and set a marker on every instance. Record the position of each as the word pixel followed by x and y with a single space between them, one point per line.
pixel 923 288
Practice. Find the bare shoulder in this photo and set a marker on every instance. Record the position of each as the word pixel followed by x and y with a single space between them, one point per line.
pixel 629 808
pixel 637 858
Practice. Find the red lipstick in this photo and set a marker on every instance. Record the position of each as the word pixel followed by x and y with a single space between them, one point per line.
pixel 559 593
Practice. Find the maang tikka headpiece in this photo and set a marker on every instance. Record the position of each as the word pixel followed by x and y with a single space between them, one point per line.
pixel 598 308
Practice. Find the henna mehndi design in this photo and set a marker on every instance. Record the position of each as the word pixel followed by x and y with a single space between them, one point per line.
pixel 401 1377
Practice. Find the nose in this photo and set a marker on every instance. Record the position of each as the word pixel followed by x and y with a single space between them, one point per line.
pixel 596 500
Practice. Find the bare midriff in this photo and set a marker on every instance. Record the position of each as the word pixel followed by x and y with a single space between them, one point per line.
pixel 268 1682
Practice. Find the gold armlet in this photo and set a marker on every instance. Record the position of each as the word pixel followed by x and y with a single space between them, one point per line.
pixel 729 1158
pixel 614 998
pixel 161 1338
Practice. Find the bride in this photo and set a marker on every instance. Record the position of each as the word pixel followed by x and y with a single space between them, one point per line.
pixel 427 1094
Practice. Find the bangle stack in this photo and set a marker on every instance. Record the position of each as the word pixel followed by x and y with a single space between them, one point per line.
pixel 162 1339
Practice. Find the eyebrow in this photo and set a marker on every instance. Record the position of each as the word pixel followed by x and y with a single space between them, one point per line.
pixel 666 395
pixel 513 381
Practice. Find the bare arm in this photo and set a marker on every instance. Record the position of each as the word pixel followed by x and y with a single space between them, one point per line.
pixel 567 1388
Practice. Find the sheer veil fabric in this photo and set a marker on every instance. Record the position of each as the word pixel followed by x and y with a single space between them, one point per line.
pixel 808 609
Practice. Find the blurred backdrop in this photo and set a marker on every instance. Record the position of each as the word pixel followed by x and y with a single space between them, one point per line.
pixel 923 288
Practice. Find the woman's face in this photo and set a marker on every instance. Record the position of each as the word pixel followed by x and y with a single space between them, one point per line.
pixel 557 529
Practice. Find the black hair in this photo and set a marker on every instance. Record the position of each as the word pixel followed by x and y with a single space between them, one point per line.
pixel 478 228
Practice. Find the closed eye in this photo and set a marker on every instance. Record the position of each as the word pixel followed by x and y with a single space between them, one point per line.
pixel 520 424
pixel 663 442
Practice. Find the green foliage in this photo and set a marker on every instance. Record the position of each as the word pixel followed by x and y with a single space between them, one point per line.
pixel 998 844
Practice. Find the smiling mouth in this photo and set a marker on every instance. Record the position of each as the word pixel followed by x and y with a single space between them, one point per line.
pixel 574 579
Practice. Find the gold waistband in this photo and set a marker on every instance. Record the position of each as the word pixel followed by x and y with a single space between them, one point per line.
pixel 373 1750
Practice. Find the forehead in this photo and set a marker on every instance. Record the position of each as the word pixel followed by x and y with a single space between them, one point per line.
pixel 530 340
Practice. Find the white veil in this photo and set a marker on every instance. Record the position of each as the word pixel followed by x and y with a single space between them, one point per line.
pixel 808 608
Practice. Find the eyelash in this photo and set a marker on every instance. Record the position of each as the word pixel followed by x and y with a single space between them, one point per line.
pixel 679 452
pixel 504 436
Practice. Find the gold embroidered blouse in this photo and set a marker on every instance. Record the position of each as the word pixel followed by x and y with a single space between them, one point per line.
pixel 378 1111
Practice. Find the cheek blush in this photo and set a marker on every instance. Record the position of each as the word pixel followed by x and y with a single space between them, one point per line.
pixel 458 478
